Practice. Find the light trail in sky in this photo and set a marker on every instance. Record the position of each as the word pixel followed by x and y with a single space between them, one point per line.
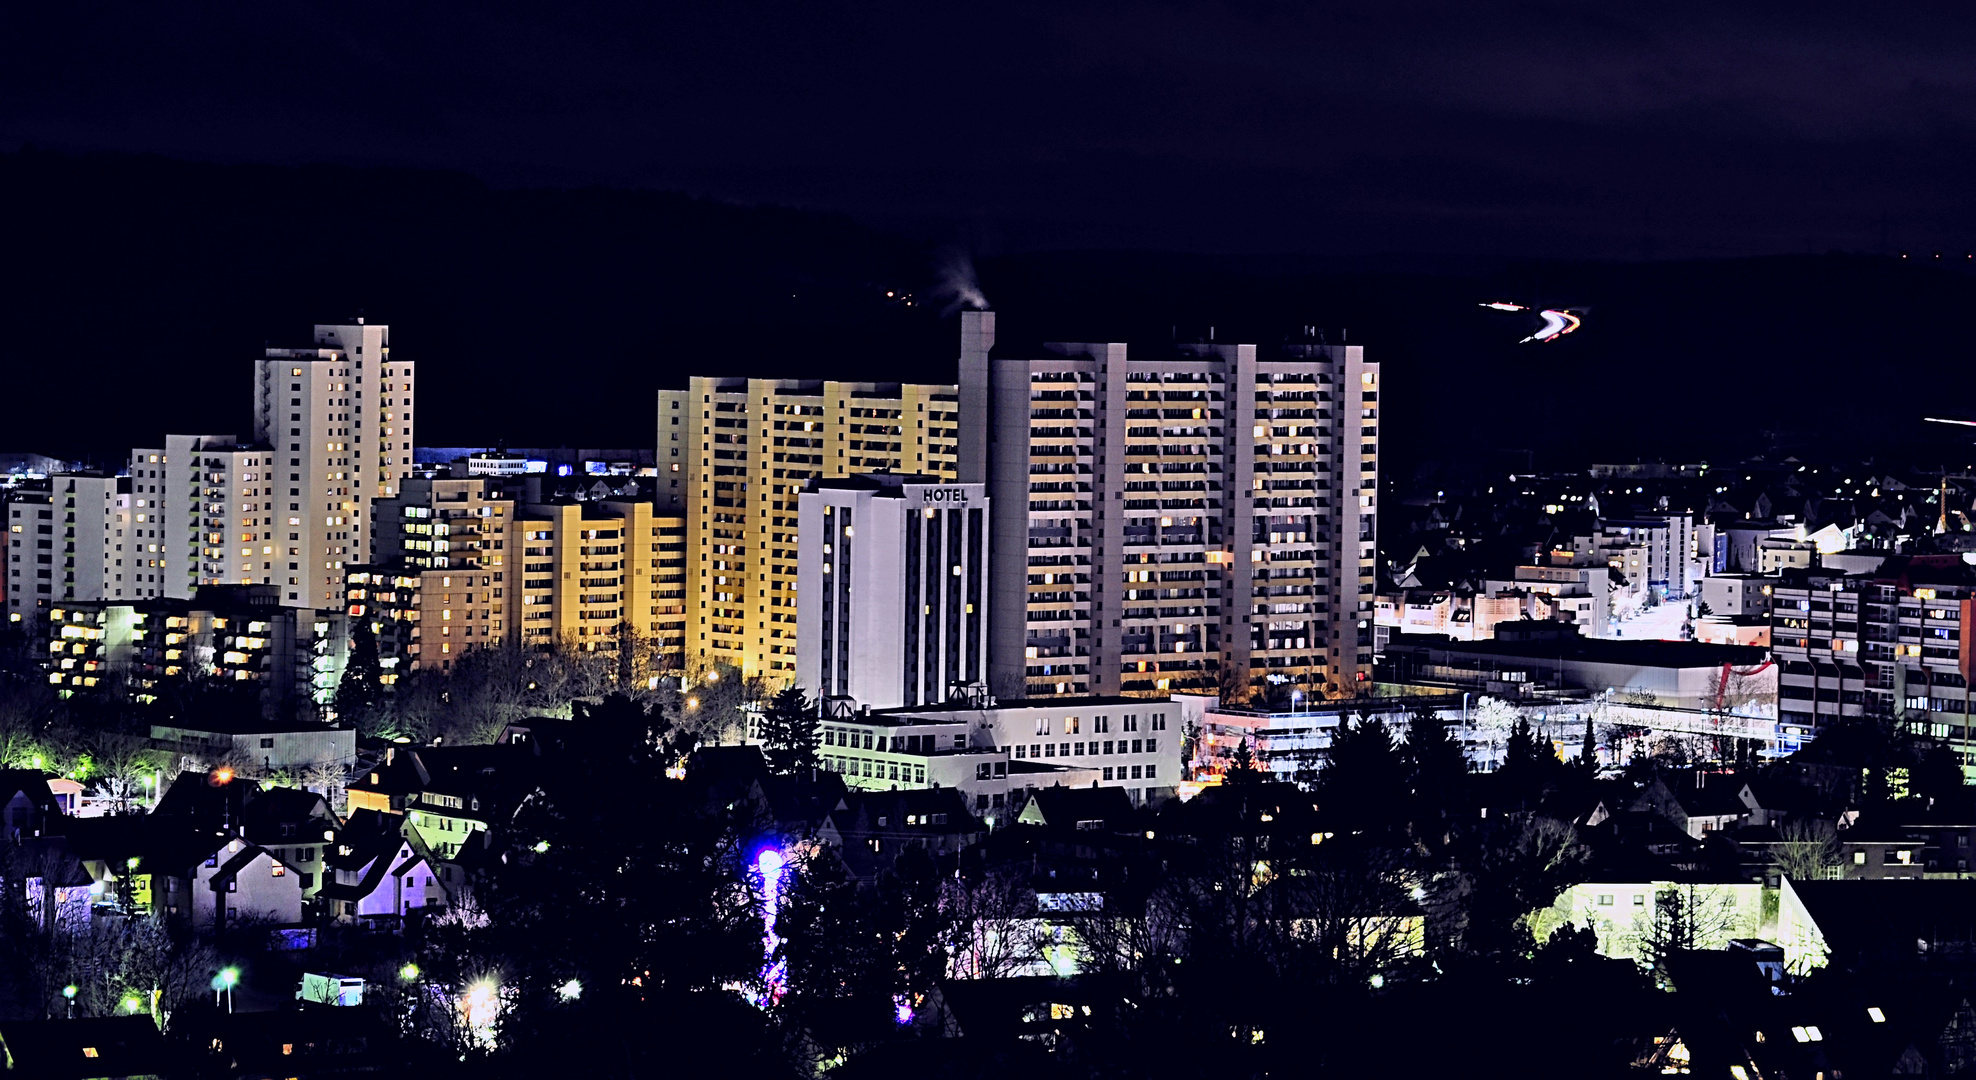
pixel 1557 323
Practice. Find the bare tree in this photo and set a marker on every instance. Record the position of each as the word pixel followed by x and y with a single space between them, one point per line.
pixel 119 765
pixel 330 779
pixel 119 960
pixel 1685 918
pixel 997 931
pixel 1808 849
pixel 1492 722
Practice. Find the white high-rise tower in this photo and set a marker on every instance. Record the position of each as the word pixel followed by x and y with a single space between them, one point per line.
pixel 338 418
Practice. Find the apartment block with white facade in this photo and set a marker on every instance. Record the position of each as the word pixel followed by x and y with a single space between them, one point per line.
pixel 215 503
pixel 1197 517
pixel 339 418
pixel 893 574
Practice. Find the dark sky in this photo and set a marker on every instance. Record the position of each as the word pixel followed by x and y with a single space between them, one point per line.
pixel 1598 130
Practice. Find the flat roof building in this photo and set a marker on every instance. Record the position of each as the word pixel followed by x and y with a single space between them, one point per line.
pixel 893 572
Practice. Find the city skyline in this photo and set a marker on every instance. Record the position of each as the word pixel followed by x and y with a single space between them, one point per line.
pixel 1073 541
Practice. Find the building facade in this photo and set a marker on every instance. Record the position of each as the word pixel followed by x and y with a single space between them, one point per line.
pixel 1895 645
pixel 893 572
pixel 294 657
pixel 217 523
pixel 1199 518
pixel 735 453
pixel 339 419
pixel 32 549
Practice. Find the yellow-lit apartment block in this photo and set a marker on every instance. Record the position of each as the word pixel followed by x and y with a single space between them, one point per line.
pixel 589 566
pixel 461 565
pixel 736 452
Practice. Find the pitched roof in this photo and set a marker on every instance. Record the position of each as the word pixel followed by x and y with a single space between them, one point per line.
pixel 97 1046
pixel 30 782
pixel 1064 807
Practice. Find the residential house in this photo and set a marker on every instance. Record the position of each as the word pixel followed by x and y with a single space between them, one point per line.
pixel 27 804
pixel 95 1048
pixel 296 825
pixel 870 829
pixel 373 873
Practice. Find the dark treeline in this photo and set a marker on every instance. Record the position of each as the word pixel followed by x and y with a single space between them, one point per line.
pixel 547 317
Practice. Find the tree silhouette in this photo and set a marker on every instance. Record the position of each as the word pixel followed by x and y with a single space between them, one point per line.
pixel 1242 765
pixel 360 693
pixel 789 732
pixel 1437 775
pixel 1364 786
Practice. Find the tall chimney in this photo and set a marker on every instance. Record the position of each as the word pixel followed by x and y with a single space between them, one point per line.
pixel 977 340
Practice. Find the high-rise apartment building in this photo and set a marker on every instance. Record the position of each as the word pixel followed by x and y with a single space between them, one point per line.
pixel 443 522
pixel 1198 518
pixel 33 546
pixel 146 546
pixel 339 420
pixel 438 583
pixel 333 430
pixel 465 562
pixel 736 453
pixel 1897 644
pixel 214 511
pixel 77 538
pixel 893 574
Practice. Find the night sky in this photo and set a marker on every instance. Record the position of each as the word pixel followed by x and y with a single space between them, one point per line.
pixel 561 208
pixel 1557 130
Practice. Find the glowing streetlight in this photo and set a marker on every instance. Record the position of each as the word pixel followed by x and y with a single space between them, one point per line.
pixel 224 982
pixel 480 1007
pixel 713 677
pixel 570 990
pixel 69 991
pixel 409 973
pixel 133 1004
pixel 692 703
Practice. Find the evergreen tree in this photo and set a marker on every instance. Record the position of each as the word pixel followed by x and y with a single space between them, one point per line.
pixel 1588 755
pixel 1364 783
pixel 1242 768
pixel 1437 774
pixel 361 689
pixel 789 732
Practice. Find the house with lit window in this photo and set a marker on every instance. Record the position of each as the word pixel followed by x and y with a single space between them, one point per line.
pixel 296 825
pixel 239 882
pixel 374 874
pixel 871 829
pixel 184 871
pixel 1621 908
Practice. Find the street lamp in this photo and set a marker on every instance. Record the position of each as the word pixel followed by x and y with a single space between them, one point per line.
pixel 225 981
pixel 69 992
pixel 409 973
